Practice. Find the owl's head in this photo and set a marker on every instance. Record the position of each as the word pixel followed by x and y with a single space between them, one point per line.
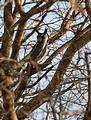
pixel 42 36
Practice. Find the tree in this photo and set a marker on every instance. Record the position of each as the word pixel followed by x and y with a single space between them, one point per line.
pixel 62 80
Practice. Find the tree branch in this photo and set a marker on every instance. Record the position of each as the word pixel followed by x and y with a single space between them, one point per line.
pixel 45 94
pixel 7 36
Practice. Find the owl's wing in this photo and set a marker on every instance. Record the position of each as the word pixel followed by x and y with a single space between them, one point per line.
pixel 36 50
